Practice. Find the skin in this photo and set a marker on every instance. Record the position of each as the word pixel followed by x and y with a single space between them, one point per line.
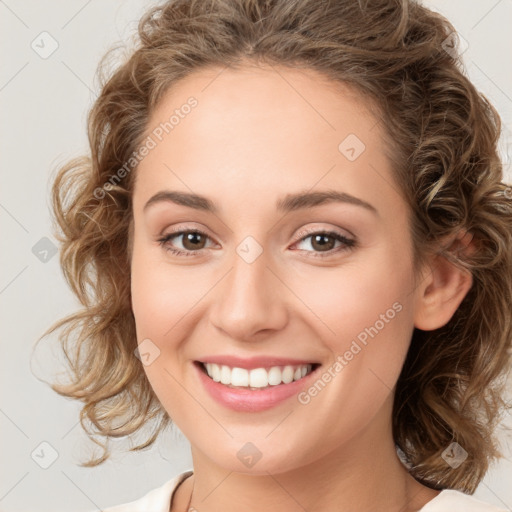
pixel 257 134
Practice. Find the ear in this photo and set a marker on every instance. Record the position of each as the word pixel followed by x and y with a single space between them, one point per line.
pixel 444 287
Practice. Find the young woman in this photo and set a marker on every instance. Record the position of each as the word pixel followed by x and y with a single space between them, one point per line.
pixel 292 240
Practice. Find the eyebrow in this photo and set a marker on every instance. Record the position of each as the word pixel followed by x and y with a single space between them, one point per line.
pixel 289 203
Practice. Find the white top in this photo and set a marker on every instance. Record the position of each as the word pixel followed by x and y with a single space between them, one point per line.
pixel 159 500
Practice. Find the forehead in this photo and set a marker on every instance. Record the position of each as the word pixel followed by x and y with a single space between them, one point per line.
pixel 264 100
pixel 259 130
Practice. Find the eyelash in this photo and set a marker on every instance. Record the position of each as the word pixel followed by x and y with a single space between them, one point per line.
pixel 348 244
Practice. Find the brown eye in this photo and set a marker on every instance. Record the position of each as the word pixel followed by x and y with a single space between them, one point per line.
pixel 322 242
pixel 326 243
pixel 192 242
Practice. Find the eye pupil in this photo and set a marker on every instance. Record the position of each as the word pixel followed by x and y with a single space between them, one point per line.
pixel 321 240
pixel 193 238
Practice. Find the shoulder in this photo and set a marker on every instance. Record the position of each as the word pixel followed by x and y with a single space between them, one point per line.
pixel 450 500
pixel 156 500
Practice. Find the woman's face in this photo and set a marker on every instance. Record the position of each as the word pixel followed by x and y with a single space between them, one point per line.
pixel 303 260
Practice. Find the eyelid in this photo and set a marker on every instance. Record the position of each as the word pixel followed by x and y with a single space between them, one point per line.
pixel 181 229
pixel 300 235
pixel 348 243
pixel 318 229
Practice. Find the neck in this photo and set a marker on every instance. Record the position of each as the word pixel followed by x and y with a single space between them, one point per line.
pixel 363 474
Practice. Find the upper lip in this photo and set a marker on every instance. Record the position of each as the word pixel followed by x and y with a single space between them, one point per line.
pixel 250 363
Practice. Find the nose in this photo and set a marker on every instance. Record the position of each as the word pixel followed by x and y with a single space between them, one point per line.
pixel 251 300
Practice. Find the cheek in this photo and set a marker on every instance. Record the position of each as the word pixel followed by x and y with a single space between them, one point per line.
pixel 162 294
pixel 363 313
pixel 347 301
pixel 162 299
pixel 166 303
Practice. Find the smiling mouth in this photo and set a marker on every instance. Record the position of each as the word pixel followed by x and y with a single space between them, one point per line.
pixel 256 378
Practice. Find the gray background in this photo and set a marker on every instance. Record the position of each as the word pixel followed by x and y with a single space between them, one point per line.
pixel 44 102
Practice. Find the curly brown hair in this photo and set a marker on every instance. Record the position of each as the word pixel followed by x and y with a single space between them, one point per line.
pixel 443 137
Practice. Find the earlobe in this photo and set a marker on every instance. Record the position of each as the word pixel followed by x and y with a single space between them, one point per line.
pixel 444 288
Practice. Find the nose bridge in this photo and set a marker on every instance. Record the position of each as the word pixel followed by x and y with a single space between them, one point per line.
pixel 250 299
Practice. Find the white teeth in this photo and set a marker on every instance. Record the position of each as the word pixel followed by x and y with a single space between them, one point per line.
pixel 288 374
pixel 257 377
pixel 215 372
pixel 239 377
pixel 225 374
pixel 274 376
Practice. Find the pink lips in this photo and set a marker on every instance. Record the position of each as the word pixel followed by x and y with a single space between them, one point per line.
pixel 252 400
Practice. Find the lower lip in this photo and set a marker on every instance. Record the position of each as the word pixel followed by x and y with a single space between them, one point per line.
pixel 249 400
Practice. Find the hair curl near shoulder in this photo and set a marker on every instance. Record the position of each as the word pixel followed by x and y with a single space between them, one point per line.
pixel 443 138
